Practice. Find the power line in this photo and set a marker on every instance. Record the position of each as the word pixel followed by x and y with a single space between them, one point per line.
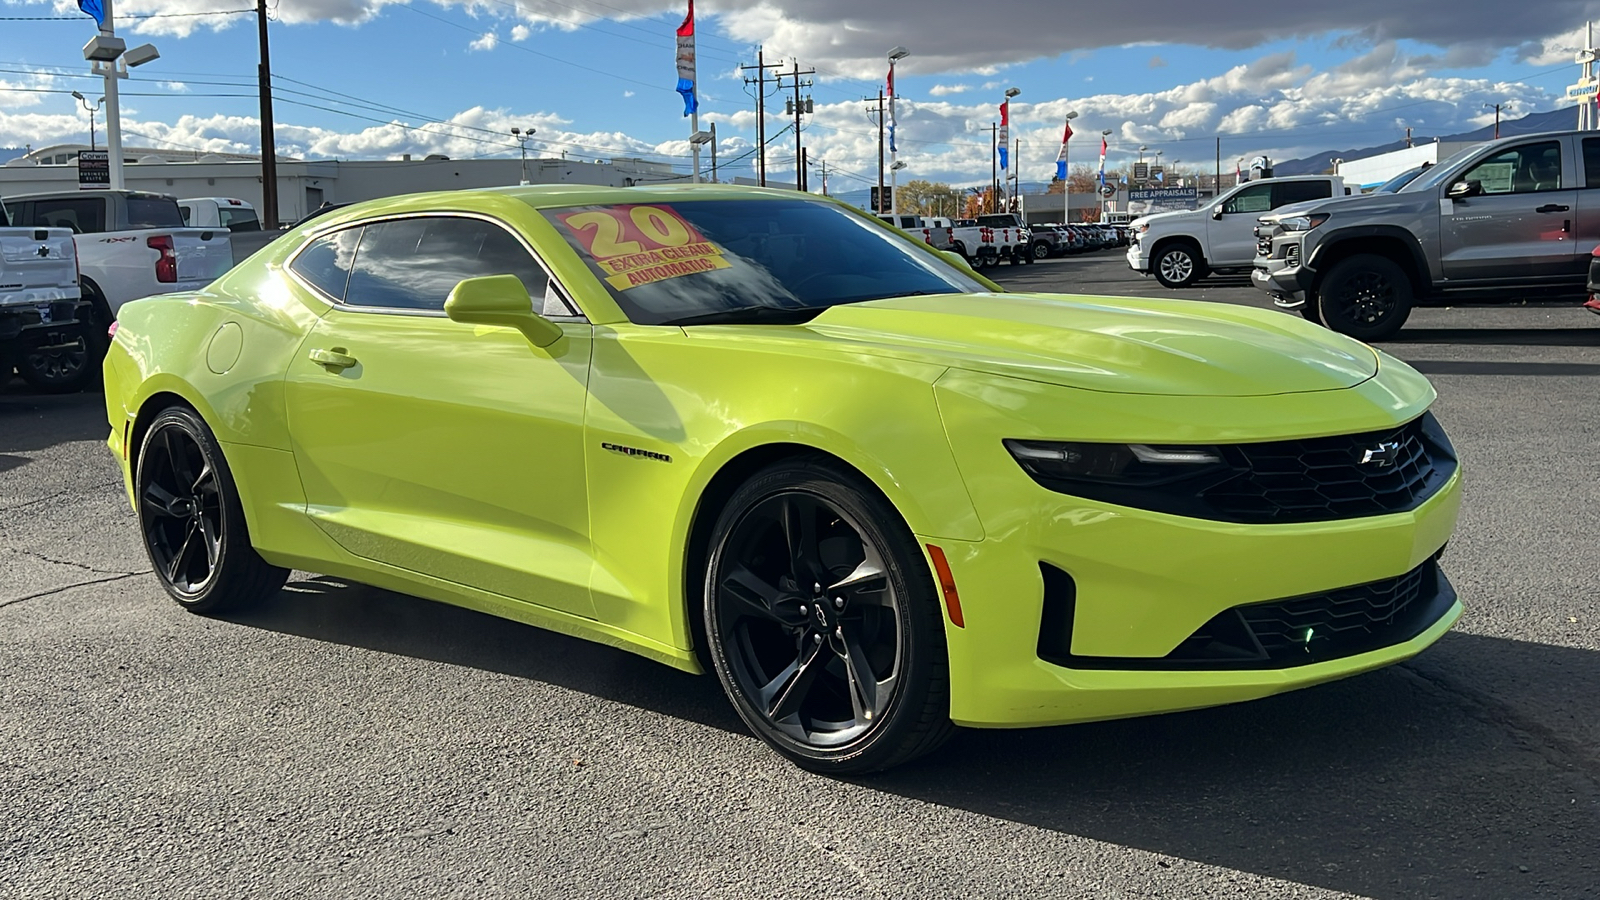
pixel 187 15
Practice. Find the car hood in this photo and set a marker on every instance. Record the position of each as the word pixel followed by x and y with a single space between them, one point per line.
pixel 1120 345
pixel 1368 204
pixel 1168 217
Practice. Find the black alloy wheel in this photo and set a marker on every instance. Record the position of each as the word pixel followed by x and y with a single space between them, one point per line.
pixel 55 359
pixel 823 623
pixel 193 524
pixel 1041 250
pixel 1367 297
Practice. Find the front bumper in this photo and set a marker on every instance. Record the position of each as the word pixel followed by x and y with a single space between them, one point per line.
pixel 1281 274
pixel 1137 260
pixel 1146 581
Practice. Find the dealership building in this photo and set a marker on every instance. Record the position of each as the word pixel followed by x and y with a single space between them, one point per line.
pixel 304 185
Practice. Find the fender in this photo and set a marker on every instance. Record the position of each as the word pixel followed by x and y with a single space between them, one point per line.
pixel 1357 232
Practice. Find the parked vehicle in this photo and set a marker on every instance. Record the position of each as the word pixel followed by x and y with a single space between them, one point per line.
pixel 219 212
pixel 940 237
pixel 1501 220
pixel 130 244
pixel 1593 303
pixel 875 494
pixel 40 335
pixel 1184 246
pixel 1013 240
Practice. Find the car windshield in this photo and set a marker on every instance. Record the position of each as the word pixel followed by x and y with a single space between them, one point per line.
pixel 1399 181
pixel 716 260
pixel 1440 171
pixel 153 212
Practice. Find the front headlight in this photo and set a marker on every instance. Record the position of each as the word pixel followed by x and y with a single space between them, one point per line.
pixel 1125 464
pixel 1141 228
pixel 1303 223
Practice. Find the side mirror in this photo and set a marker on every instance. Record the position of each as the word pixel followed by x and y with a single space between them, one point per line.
pixel 1217 213
pixel 500 300
pixel 1464 189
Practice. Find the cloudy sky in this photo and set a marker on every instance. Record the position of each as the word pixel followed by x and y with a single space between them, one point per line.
pixel 595 77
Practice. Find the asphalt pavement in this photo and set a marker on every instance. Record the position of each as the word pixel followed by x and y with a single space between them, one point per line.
pixel 351 742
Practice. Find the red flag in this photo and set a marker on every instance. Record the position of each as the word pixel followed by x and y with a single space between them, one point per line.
pixel 891 81
pixel 687 28
pixel 1067 135
pixel 1005 114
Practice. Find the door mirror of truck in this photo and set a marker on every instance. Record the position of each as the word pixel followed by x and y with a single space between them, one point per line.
pixel 1216 212
pixel 1461 190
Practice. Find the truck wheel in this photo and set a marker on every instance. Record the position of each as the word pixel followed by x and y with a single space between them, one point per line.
pixel 1041 250
pixel 1367 297
pixel 54 360
pixel 1177 265
pixel 1016 256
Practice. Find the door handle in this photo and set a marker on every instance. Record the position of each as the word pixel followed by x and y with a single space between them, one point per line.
pixel 1552 207
pixel 333 359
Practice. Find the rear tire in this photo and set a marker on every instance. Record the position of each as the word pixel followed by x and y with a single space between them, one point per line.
pixel 1367 297
pixel 55 359
pixel 192 521
pixel 823 623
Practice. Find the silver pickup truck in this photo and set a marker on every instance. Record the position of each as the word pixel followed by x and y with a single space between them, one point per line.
pixel 40 335
pixel 1499 221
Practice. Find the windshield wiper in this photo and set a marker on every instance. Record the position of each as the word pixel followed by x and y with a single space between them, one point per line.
pixel 776 315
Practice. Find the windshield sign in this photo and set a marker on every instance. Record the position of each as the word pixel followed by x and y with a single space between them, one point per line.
pixel 714 260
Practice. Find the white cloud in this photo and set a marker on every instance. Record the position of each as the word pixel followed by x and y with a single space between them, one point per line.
pixel 627 93
pixel 489 41
pixel 520 33
pixel 944 90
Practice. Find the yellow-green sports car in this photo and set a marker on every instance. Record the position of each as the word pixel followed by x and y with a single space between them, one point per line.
pixel 763 434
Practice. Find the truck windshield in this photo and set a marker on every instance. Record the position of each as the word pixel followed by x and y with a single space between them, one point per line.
pixel 153 212
pixel 1438 173
pixel 739 260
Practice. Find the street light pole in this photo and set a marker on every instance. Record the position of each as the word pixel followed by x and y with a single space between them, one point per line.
pixel 1066 171
pixel 522 141
pixel 895 55
pixel 84 101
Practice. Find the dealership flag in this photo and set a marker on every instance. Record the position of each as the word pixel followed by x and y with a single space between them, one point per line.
pixel 93 8
pixel 1004 142
pixel 691 104
pixel 1061 158
pixel 893 118
pixel 1102 162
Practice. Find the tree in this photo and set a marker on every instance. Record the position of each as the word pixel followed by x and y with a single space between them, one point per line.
pixel 926 198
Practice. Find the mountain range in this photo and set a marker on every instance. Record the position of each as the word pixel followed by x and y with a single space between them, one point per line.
pixel 1564 119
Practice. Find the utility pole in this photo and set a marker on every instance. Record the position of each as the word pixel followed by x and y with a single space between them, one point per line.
pixel 804 188
pixel 713 153
pixel 269 143
pixel 1216 186
pixel 760 80
pixel 1496 118
pixel 799 107
pixel 878 207
pixel 994 167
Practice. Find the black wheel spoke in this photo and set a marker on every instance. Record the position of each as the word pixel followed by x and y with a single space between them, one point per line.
pixel 783 695
pixel 203 481
pixel 160 499
pixel 800 532
pixel 867 578
pixel 858 672
pixel 179 560
pixel 213 543
pixel 756 596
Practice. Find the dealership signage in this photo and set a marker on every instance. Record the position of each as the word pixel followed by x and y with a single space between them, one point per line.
pixel 94 169
pixel 1149 200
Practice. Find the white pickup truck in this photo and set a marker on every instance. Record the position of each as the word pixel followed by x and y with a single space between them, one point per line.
pixel 219 212
pixel 989 239
pixel 130 244
pixel 39 332
pixel 1184 246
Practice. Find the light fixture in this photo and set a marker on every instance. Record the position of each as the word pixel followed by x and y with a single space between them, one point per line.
pixel 899 164
pixel 141 54
pixel 899 53
pixel 1012 92
pixel 700 137
pixel 1072 115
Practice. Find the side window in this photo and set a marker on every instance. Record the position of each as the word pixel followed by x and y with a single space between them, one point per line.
pixel 1519 170
pixel 236 219
pixel 84 215
pixel 1591 162
pixel 1257 199
pixel 1300 192
pixel 413 264
pixel 326 261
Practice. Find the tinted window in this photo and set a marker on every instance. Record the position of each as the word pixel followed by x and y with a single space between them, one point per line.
pixel 153 212
pixel 415 263
pixel 1591 162
pixel 1300 191
pixel 84 215
pixel 235 218
pixel 3 220
pixel 665 262
pixel 1519 170
pixel 1254 199
pixel 325 262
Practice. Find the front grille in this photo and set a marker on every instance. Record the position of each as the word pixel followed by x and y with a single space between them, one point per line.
pixel 1277 634
pixel 1321 479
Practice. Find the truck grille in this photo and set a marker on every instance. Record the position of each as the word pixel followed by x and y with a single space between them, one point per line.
pixel 1322 479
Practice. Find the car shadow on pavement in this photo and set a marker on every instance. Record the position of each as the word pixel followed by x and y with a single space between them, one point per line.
pixel 1513 369
pixel 1422 780
pixel 358 615
pixel 1509 337
pixel 31 421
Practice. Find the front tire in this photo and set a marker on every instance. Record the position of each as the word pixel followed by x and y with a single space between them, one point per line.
pixel 823 623
pixel 1367 297
pixel 1041 250
pixel 1177 266
pixel 192 521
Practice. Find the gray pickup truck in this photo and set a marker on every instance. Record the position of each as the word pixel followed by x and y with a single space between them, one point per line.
pixel 1502 220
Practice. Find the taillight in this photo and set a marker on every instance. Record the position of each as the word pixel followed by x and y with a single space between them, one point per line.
pixel 167 258
pixel 112 331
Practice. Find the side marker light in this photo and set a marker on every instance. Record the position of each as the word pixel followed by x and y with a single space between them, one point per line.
pixel 947 586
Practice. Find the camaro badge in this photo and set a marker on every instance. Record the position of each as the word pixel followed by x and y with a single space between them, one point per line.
pixel 636 452
pixel 1383 455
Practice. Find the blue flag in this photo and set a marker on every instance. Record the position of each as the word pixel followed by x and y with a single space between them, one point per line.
pixel 1004 156
pixel 1061 170
pixel 892 147
pixel 686 62
pixel 95 9
pixel 1161 177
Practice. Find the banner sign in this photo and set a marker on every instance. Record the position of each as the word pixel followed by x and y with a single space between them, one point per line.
pixel 638 245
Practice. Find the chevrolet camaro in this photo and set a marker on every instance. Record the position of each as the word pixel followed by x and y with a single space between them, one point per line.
pixel 764 435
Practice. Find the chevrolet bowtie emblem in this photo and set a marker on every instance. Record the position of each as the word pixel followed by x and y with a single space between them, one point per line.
pixel 1383 456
